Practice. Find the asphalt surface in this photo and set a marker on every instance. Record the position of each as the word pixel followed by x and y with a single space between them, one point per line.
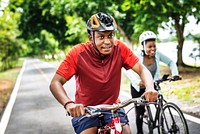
pixel 34 110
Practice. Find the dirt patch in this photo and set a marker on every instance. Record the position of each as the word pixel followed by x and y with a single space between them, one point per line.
pixel 6 87
pixel 7 81
pixel 5 84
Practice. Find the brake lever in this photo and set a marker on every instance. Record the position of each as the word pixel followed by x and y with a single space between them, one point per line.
pixel 92 111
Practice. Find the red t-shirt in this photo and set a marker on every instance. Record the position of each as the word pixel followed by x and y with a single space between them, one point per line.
pixel 97 78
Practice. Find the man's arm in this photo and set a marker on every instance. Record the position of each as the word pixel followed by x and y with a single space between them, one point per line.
pixel 58 91
pixel 150 94
pixel 56 87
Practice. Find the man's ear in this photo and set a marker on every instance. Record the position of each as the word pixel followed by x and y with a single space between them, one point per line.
pixel 90 37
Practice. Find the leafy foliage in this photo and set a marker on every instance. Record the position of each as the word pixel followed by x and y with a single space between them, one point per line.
pixel 11 48
pixel 152 14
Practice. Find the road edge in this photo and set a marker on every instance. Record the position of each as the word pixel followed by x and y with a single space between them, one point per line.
pixel 7 112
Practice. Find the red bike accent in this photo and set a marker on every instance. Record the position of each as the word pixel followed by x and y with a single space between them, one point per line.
pixel 113 128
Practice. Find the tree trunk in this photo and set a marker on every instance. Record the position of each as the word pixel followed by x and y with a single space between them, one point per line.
pixel 179 56
pixel 129 42
pixel 179 33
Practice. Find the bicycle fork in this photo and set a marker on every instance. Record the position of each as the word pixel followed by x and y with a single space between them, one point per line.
pixel 150 122
pixel 114 127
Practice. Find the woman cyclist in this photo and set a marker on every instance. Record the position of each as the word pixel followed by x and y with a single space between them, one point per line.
pixel 150 57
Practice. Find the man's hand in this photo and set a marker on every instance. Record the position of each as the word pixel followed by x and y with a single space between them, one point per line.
pixel 141 83
pixel 75 110
pixel 151 95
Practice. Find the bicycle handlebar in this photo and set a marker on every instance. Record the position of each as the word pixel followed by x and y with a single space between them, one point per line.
pixel 93 110
pixel 166 78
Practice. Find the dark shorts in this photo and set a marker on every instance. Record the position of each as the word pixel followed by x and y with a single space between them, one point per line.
pixel 81 123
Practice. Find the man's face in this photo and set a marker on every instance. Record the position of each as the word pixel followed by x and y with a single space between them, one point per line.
pixel 104 41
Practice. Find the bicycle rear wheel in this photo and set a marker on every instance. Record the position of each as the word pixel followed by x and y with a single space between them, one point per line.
pixel 172 121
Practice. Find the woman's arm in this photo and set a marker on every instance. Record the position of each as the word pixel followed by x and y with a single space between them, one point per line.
pixel 169 62
pixel 150 93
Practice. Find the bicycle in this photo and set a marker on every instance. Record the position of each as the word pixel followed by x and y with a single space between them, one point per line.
pixel 168 118
pixel 165 119
pixel 114 127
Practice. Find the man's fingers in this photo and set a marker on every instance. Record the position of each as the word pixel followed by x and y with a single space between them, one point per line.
pixel 76 110
pixel 151 96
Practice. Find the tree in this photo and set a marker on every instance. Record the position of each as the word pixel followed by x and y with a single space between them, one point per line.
pixel 150 14
pixel 42 15
pixel 11 48
pixel 65 20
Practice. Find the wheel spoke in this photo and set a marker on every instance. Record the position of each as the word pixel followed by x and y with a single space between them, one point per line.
pixel 172 120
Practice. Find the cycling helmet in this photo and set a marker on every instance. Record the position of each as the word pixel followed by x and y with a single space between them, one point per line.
pixel 146 36
pixel 101 22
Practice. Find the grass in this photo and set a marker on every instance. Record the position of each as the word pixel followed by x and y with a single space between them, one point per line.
pixel 7 82
pixel 189 93
pixel 187 89
pixel 12 74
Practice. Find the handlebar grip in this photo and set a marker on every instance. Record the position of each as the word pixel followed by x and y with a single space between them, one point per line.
pixel 175 78
pixel 142 100
pixel 143 97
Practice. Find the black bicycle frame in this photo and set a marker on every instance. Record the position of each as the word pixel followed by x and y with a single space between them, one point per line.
pixel 152 122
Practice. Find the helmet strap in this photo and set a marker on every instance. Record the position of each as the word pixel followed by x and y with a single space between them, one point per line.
pixel 144 48
pixel 94 44
pixel 93 38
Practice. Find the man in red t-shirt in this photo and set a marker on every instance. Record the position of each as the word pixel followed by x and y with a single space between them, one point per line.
pixel 97 68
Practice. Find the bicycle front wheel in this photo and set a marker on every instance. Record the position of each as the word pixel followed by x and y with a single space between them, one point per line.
pixel 172 121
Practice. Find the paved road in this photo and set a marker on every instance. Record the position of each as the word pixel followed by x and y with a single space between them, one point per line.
pixel 35 110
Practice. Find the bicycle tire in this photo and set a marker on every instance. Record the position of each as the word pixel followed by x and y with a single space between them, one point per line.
pixel 172 120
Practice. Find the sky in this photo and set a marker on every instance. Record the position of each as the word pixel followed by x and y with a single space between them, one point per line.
pixel 191 27
pixel 3 4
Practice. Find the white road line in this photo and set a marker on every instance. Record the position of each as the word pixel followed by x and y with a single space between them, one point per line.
pixel 6 114
pixel 192 118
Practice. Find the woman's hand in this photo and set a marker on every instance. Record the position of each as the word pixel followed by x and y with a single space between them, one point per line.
pixel 177 77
